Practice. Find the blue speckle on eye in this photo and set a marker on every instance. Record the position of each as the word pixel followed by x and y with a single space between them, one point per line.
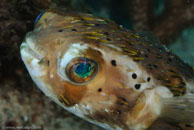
pixel 38 17
pixel 83 70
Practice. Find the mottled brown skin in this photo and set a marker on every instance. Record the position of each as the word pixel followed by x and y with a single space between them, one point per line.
pixel 165 67
pixel 124 104
pixel 155 58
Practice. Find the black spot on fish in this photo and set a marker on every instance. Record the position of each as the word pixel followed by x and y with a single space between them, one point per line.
pixel 100 90
pixel 108 39
pixel 106 33
pixel 48 62
pixel 148 79
pixel 82 19
pixel 137 86
pixel 170 70
pixel 74 30
pixel 155 66
pixel 134 76
pixel 169 59
pixel 148 50
pixel 60 30
pixel 146 56
pixel 118 112
pixel 188 125
pixel 113 62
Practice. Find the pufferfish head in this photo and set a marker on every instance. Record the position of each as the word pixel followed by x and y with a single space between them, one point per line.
pixel 68 60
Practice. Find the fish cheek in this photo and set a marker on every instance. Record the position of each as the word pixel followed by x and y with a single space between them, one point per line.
pixel 116 114
pixel 122 99
pixel 67 93
pixel 71 94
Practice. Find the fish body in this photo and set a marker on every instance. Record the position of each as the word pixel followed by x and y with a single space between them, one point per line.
pixel 106 74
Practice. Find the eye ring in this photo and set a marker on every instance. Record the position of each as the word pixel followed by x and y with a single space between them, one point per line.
pixel 81 70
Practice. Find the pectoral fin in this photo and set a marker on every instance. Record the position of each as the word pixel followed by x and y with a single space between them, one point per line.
pixel 177 114
pixel 179 109
pixel 162 125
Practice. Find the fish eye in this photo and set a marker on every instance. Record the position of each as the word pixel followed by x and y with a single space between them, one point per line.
pixel 38 17
pixel 81 70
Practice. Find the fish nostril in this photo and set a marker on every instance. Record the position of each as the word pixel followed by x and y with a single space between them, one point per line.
pixel 43 61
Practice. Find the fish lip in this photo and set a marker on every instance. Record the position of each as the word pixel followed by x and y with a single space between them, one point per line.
pixel 32 52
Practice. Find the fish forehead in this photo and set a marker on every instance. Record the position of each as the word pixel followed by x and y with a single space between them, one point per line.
pixel 70 27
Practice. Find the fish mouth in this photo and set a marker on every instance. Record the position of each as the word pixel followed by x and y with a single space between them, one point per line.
pixel 29 49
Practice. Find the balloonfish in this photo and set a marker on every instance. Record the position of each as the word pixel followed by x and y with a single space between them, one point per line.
pixel 108 75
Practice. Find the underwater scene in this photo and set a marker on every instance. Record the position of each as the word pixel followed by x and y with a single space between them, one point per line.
pixel 97 64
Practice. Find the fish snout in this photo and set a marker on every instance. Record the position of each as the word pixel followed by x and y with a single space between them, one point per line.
pixel 33 48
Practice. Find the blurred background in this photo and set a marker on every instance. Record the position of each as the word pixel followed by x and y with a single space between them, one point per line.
pixel 22 103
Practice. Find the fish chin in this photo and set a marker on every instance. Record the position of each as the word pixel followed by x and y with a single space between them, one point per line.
pixel 36 69
pixel 31 60
pixel 25 48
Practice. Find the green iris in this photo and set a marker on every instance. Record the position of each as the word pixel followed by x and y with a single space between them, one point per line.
pixel 83 70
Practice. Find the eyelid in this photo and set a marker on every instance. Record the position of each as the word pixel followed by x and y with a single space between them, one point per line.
pixel 39 17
